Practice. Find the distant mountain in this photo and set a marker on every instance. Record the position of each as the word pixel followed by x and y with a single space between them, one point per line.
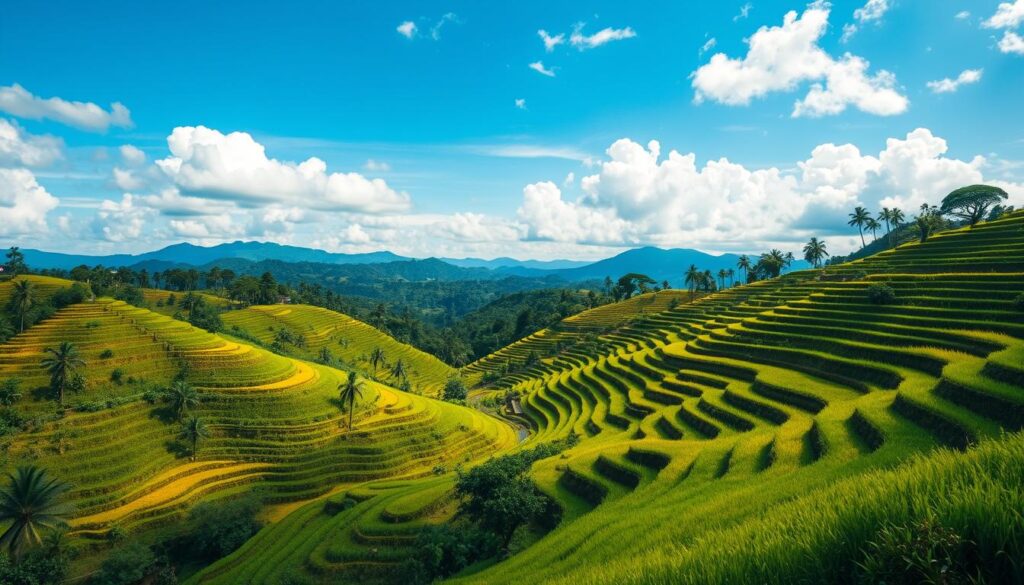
pixel 659 264
pixel 506 262
pixel 192 255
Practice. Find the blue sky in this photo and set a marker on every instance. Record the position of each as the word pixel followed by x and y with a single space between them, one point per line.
pixel 450 128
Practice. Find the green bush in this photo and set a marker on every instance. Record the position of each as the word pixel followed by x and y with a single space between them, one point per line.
pixel 127 565
pixel 38 567
pixel 117 376
pixel 881 294
pixel 454 389
pixel 106 354
pixel 216 530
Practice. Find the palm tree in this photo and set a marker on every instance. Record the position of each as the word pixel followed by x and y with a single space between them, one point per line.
pixel 182 397
pixel 886 216
pixel 730 273
pixel 23 298
pixel 351 389
pixel 744 264
pixel 192 430
pixel 398 370
pixel 62 364
pixel 896 217
pixel 692 279
pixel 872 226
pixel 788 259
pixel 31 502
pixel 859 218
pixel 815 251
pixel 376 359
pixel 721 277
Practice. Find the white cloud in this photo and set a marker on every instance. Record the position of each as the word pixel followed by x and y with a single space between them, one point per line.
pixel 947 85
pixel 407 29
pixel 529 151
pixel 963 15
pixel 550 42
pixel 744 12
pixel 538 66
pixel 234 167
pixel 24 203
pixel 872 11
pixel 601 37
pixel 126 180
pixel 1012 43
pixel 120 221
pixel 520 103
pixel 849 29
pixel 708 45
pixel 476 227
pixel 132 155
pixel 435 31
pixel 638 196
pixel 1008 15
pixel 780 58
pixel 20 148
pixel 170 202
pixel 17 101
pixel 570 180
pixel 376 166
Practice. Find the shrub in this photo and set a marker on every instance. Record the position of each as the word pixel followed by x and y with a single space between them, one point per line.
pixel 126 565
pixel 216 530
pixel 455 390
pixel 35 568
pixel 881 294
pixel 921 553
pixel 1018 302
pixel 444 550
pixel 106 354
pixel 117 376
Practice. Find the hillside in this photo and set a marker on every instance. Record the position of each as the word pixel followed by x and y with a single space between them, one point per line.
pixel 276 427
pixel 309 331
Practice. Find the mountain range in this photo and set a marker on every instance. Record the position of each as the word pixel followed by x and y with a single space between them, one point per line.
pixel 658 263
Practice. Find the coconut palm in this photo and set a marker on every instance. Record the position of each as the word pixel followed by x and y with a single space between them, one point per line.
pixel 192 430
pixel 23 298
pixel 182 398
pixel 377 359
pixel 886 216
pixel 788 259
pixel 721 277
pixel 692 279
pixel 62 364
pixel 744 265
pixel 351 389
pixel 32 504
pixel 896 216
pixel 872 226
pixel 730 273
pixel 398 370
pixel 859 218
pixel 815 251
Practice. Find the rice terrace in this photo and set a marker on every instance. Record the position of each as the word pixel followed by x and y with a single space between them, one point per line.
pixel 410 293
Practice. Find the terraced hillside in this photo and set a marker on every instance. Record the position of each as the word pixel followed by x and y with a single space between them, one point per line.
pixel 276 424
pixel 713 412
pixel 579 337
pixel 348 339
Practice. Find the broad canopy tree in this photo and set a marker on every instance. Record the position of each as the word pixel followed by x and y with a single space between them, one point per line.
pixel 971 203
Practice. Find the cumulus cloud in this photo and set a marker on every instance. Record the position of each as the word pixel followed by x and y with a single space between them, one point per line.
pixel 550 42
pixel 1008 15
pixel 407 29
pixel 17 101
pixel 234 167
pixel 601 37
pixel 538 66
pixel 131 155
pixel 780 58
pixel 126 180
pixel 376 166
pixel 20 148
pixel 1012 43
pixel 947 85
pixel 119 221
pixel 640 196
pixel 24 203
pixel 873 11
pixel 963 15
pixel 476 227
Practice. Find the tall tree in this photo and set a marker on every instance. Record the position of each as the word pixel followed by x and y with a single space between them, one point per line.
pixel 32 504
pixel 16 261
pixel 182 398
pixel 815 251
pixel 859 218
pixel 350 389
pixel 62 364
pixel 872 226
pixel 192 431
pixel 971 203
pixel 23 298
pixel 731 273
pixel 692 279
pixel 398 371
pixel 721 277
pixel 377 359
pixel 744 265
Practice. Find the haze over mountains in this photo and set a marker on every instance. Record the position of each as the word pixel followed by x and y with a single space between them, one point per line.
pixel 660 264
